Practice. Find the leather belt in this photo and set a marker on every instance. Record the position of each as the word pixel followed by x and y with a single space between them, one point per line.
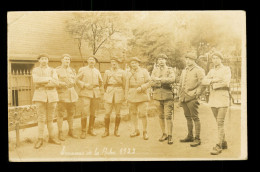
pixel 165 87
pixel 45 88
pixel 114 85
pixel 134 86
pixel 223 88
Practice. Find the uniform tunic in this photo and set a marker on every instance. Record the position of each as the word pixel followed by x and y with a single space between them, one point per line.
pixel 219 96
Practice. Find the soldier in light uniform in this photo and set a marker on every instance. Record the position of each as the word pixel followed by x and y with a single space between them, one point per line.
pixel 218 79
pixel 45 97
pixel 114 84
pixel 162 78
pixel 189 92
pixel 67 95
pixel 137 95
pixel 89 80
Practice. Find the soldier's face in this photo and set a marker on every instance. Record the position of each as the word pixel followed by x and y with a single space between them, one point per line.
pixel 161 61
pixel 91 61
pixel 134 64
pixel 189 61
pixel 114 63
pixel 216 60
pixel 66 61
pixel 43 61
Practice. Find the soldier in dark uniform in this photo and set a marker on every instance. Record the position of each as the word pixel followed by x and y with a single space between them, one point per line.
pixel 162 78
pixel 189 92
pixel 67 95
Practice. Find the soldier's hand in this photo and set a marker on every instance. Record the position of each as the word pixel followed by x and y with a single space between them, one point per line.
pixel 139 89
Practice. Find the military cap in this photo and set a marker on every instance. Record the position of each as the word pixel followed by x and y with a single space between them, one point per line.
pixel 65 55
pixel 43 55
pixel 116 59
pixel 134 59
pixel 191 55
pixel 218 54
pixel 163 56
pixel 94 58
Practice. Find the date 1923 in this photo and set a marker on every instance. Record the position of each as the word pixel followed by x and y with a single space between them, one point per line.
pixel 127 151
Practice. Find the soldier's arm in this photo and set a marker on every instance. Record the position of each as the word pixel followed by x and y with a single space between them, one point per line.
pixel 100 80
pixel 169 79
pixel 38 79
pixel 147 79
pixel 126 85
pixel 180 84
pixel 54 82
pixel 207 80
pixel 200 76
pixel 224 80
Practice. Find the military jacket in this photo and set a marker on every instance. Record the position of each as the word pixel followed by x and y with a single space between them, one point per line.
pixel 135 79
pixel 190 83
pixel 67 93
pixel 114 83
pixel 219 94
pixel 89 77
pixel 45 80
pixel 162 89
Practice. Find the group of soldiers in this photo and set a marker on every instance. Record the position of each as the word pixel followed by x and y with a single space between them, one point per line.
pixel 56 87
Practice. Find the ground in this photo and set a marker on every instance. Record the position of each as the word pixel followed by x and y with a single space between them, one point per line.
pixel 126 148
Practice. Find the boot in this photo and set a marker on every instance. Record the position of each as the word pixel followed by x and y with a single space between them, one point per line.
pixel 117 122
pixel 224 145
pixel 170 141
pixel 145 136
pixel 136 133
pixel 60 136
pixel 216 150
pixel 91 126
pixel 164 137
pixel 83 128
pixel 72 134
pixel 196 142
pixel 187 139
pixel 107 122
pixel 54 141
pixel 38 143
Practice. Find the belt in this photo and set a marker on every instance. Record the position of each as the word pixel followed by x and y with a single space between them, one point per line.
pixel 134 86
pixel 45 88
pixel 165 87
pixel 114 85
pixel 223 88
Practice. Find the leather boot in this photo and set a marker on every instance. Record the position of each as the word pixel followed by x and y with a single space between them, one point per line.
pixel 170 141
pixel 216 150
pixel 54 141
pixel 91 126
pixel 224 145
pixel 60 136
pixel 83 128
pixel 107 122
pixel 187 139
pixel 117 122
pixel 72 134
pixel 135 133
pixel 164 137
pixel 38 143
pixel 196 142
pixel 145 136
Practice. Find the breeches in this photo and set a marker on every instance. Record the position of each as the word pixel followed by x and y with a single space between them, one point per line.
pixel 109 107
pixel 88 106
pixel 165 108
pixel 138 109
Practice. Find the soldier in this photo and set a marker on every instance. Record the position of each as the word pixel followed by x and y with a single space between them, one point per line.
pixel 114 83
pixel 45 97
pixel 89 80
pixel 218 79
pixel 67 95
pixel 189 92
pixel 137 94
pixel 162 78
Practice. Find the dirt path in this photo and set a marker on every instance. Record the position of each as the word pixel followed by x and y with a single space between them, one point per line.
pixel 126 148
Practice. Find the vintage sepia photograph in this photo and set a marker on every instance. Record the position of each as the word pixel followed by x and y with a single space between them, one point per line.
pixel 127 85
